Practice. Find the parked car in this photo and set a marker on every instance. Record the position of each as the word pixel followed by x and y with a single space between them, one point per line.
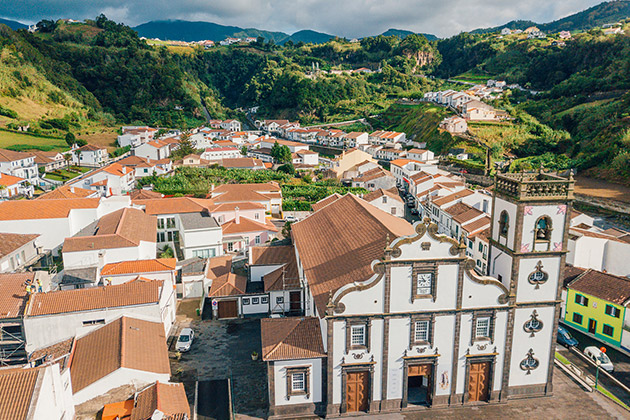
pixel 411 204
pixel 414 212
pixel 565 338
pixel 291 219
pixel 185 339
pixel 596 355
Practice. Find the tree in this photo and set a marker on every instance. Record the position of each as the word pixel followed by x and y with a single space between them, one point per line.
pixel 287 168
pixel 70 139
pixel 67 157
pixel 46 25
pixel 244 150
pixel 185 146
pixel 78 153
pixel 282 154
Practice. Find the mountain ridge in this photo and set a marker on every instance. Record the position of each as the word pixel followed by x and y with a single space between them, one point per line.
pixel 13 24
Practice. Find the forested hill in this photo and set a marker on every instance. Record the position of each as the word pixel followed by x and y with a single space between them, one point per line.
pixel 601 14
pixel 13 24
pixel 180 30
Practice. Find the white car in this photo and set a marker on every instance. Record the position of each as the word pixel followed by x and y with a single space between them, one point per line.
pixel 185 339
pixel 291 219
pixel 599 357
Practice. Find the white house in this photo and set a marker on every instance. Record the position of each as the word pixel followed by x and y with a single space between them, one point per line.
pixel 59 315
pixel 420 154
pixel 154 150
pixel 36 393
pixel 17 251
pixel 13 186
pixel 55 219
pixel 383 137
pixel 125 234
pixel 404 319
pixel 89 155
pixel 356 139
pixel 268 143
pixel 387 200
pixel 164 269
pixel 130 352
pixel 231 125
pixel 19 164
pixel 113 179
pixel 218 153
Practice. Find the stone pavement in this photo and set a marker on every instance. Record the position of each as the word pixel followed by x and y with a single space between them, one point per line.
pixel 569 402
pixel 222 349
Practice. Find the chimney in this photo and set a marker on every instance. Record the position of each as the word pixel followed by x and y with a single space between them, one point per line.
pixel 237 216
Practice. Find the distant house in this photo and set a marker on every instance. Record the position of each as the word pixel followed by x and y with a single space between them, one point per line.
pixel 89 155
pixel 242 163
pixel 231 125
pixel 564 35
pixel 154 150
pixel 49 160
pixel 68 191
pixel 387 200
pixel 11 186
pixel 19 165
pixel 454 124
pixel 17 251
pixel 506 31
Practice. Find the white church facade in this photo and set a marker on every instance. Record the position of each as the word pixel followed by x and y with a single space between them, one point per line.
pixel 398 319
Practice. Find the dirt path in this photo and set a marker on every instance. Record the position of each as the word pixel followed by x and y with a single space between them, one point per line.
pixel 602 189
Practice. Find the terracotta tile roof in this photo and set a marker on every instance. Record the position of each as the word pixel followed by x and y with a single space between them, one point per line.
pixel 173 205
pixel 145 195
pixel 380 193
pixel 53 352
pixel 291 338
pixel 326 201
pixel 139 266
pixel 420 176
pixel 93 298
pixel 123 228
pixel 247 225
pixel 599 235
pixel 10 242
pixel 241 163
pixel 481 223
pixel 124 343
pixel 170 399
pixel 417 151
pixel 17 389
pixel 90 148
pixel 360 231
pixel 118 411
pixel 13 296
pixel 224 282
pixel 277 255
pixel 570 273
pixel 465 217
pixel 401 162
pixel 9 180
pixel 615 289
pixel 452 197
pixel 457 209
pixel 354 134
pixel 230 207
pixel 43 209
pixel 245 192
pixel 482 235
pixel 10 155
pixel 67 191
pixel 372 174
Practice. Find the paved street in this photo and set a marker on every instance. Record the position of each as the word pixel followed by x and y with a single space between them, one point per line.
pixel 221 350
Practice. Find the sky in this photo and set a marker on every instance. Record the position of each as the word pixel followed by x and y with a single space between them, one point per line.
pixel 349 18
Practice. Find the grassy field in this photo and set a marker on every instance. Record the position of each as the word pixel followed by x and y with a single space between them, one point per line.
pixel 65 174
pixel 25 140
pixel 506 134
pixel 472 77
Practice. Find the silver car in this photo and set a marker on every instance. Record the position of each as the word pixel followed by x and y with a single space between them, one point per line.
pixel 185 339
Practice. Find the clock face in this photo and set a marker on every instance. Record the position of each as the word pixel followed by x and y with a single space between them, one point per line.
pixel 424 280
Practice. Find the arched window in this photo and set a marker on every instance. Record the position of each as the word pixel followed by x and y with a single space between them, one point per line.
pixel 543 229
pixel 504 223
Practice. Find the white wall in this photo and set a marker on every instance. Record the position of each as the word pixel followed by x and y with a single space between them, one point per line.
pixel 122 376
pixel 314 386
pixel 54 400
pixel 251 308
pixel 510 208
pixel 42 331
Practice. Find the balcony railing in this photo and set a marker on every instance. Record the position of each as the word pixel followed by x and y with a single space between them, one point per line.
pixel 535 186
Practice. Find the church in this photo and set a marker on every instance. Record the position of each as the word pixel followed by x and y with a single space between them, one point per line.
pixel 397 319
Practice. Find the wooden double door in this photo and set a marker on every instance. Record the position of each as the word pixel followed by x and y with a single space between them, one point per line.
pixel 357 391
pixel 479 381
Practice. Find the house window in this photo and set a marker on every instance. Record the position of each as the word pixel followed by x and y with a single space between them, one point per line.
pixel 221 219
pixel 393 211
pixel 421 332
pixel 608 330
pixel 255 301
pixel 298 381
pixel 384 200
pixel 169 235
pixel 264 300
pixel 160 237
pixel 94 322
pixel 577 318
pixel 480 247
pixel 230 246
pixel 612 311
pixel 160 224
pixel 533 325
pixel 203 253
pixel 470 244
pixel 504 223
pixel 170 222
pixel 279 300
pixel 483 327
pixel 581 300
pixel 245 301
pixel 543 229
pixel 357 335
pixel 538 276
pixel 257 216
pixel 257 240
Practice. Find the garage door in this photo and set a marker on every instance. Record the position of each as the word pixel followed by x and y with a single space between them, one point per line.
pixel 228 309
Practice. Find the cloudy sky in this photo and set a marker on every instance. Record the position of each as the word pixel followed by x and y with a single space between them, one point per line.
pixel 350 18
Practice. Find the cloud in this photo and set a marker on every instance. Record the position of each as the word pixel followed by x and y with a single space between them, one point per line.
pixel 350 18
